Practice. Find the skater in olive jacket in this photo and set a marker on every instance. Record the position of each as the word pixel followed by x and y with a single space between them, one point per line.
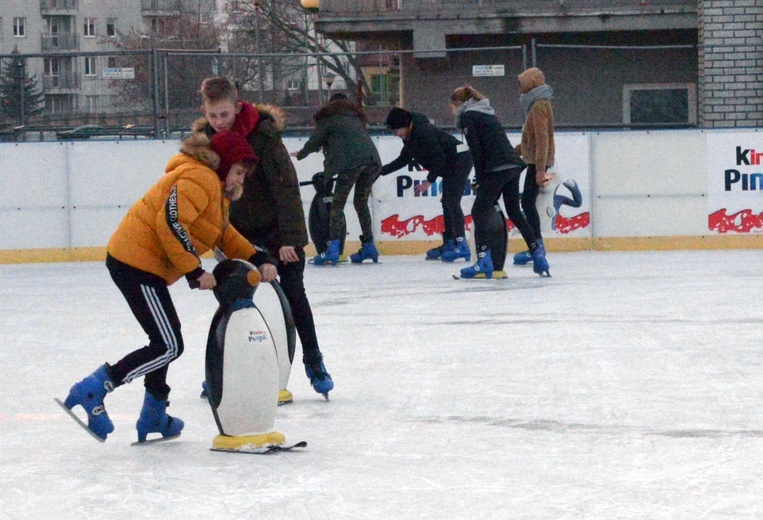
pixel 350 154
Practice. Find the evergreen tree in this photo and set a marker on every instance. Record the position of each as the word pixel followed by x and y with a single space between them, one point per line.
pixel 12 77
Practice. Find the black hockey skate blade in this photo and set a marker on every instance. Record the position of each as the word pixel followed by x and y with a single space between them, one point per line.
pixel 154 441
pixel 78 420
pixel 264 450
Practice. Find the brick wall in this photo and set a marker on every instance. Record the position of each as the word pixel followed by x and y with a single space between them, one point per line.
pixel 730 63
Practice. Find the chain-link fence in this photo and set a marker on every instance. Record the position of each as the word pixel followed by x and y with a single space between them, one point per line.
pixel 46 93
pixel 154 93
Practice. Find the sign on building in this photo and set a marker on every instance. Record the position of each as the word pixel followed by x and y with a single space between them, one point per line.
pixel 488 70
pixel 119 73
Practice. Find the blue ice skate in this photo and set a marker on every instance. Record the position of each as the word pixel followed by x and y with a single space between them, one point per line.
pixel 436 252
pixel 154 419
pixel 319 378
pixel 330 256
pixel 460 250
pixel 483 268
pixel 525 257
pixel 89 394
pixel 540 265
pixel 368 251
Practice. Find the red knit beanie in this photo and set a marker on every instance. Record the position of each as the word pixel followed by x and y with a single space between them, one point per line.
pixel 231 148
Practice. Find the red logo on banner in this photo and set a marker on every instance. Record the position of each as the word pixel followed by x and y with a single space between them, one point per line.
pixel 567 225
pixel 741 222
pixel 392 225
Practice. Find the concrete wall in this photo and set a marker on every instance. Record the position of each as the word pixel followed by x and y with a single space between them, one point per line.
pixel 588 82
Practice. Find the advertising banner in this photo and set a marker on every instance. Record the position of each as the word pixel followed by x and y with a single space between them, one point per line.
pixel 735 181
pixel 564 206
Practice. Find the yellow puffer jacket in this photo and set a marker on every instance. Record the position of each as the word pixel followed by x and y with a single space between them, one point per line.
pixel 180 218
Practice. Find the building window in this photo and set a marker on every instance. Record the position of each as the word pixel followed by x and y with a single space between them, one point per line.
pixel 59 104
pixel 19 27
pixel 111 26
pixel 90 70
pixel 51 66
pixel 660 104
pixel 380 87
pixel 293 84
pixel 89 28
pixel 92 104
pixel 161 25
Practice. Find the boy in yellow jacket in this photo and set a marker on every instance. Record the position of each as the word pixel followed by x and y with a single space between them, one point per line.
pixel 161 239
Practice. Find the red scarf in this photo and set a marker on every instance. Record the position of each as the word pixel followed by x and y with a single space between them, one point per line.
pixel 246 120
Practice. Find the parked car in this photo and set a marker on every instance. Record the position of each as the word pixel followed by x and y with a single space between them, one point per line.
pixel 119 132
pixel 80 132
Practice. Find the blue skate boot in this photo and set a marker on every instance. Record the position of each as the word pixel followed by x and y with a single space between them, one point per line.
pixel 89 394
pixel 436 252
pixel 460 250
pixel 330 256
pixel 525 257
pixel 540 265
pixel 154 419
pixel 204 394
pixel 366 252
pixel 483 268
pixel 319 378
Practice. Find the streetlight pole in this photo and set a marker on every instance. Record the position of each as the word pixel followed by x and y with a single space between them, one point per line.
pixel 311 7
pixel 22 78
pixel 329 79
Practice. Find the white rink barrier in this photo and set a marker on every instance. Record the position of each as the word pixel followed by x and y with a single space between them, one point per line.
pixel 636 189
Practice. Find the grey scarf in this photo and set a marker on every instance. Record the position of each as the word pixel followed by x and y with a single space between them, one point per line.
pixel 483 106
pixel 541 92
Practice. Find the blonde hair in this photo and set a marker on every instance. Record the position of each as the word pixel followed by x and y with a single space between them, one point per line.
pixel 215 89
pixel 465 93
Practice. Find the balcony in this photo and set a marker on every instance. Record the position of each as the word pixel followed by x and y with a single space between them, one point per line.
pixel 504 7
pixel 60 42
pixel 63 81
pixel 53 7
pixel 160 7
pixel 433 20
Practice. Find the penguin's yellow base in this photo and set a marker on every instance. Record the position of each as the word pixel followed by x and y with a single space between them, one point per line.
pixel 285 397
pixel 234 443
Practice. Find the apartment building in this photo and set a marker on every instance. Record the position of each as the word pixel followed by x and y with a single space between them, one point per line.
pixel 631 63
pixel 68 43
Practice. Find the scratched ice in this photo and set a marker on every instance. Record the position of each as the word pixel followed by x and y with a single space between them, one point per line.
pixel 627 386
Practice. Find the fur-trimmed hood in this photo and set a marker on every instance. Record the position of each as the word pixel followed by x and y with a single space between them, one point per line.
pixel 266 112
pixel 197 146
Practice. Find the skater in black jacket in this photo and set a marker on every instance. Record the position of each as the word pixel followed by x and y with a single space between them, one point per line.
pixel 497 170
pixel 443 156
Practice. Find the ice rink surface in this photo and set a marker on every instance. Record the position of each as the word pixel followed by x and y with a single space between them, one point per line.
pixel 627 386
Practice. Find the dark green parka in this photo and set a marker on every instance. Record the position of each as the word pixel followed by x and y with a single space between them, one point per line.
pixel 341 131
pixel 269 213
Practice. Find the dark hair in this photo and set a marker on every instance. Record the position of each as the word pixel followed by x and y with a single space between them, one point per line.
pixel 337 96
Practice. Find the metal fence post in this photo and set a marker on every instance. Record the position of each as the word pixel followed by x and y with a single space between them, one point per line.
pixel 166 97
pixel 153 79
pixel 22 77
